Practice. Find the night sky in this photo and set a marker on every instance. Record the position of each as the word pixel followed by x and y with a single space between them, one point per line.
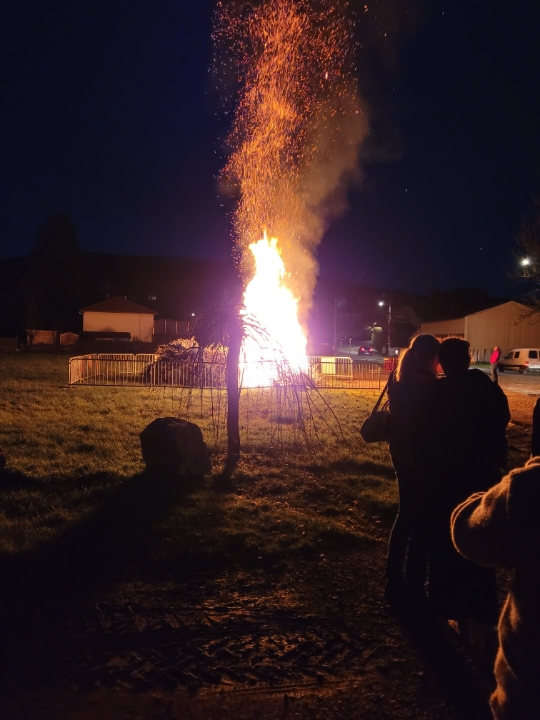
pixel 109 112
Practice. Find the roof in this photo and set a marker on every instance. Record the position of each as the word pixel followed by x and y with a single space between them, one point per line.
pixel 119 304
pixel 478 312
pixel 494 307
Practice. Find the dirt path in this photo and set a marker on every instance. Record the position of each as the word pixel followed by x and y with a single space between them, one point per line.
pixel 314 641
pixel 302 637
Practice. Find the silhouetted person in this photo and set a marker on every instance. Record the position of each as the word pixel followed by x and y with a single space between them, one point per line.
pixel 494 362
pixel 466 427
pixel 500 528
pixel 415 375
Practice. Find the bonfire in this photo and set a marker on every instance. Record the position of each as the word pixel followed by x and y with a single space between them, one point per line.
pixel 295 138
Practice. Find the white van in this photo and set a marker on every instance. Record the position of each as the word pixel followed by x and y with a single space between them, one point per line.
pixel 522 360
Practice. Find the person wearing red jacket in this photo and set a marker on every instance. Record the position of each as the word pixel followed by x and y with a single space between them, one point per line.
pixel 494 361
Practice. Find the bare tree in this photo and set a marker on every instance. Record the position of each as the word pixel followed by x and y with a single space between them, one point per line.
pixel 221 326
pixel 528 241
pixel 55 274
pixel 233 393
pixel 527 260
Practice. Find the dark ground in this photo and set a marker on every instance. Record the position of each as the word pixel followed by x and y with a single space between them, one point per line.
pixel 99 625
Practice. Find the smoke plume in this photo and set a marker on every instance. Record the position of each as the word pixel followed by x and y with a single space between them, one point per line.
pixel 298 127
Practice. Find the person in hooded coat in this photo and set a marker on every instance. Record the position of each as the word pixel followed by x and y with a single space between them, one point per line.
pixel 500 528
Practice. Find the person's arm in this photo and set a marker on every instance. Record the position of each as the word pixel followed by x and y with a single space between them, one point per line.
pixel 480 527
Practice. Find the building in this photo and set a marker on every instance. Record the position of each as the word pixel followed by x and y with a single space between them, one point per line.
pixel 445 328
pixel 106 319
pixel 171 328
pixel 509 325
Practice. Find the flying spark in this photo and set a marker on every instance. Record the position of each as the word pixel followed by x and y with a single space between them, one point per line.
pixel 294 141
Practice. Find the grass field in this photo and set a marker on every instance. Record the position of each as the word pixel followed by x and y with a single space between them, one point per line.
pixel 128 596
pixel 68 447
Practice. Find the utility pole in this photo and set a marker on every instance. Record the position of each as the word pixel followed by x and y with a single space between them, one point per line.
pixel 335 326
pixel 389 323
pixel 338 302
pixel 382 303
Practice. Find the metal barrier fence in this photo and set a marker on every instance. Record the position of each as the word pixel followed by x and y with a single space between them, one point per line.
pixel 147 370
pixel 342 373
pixel 390 363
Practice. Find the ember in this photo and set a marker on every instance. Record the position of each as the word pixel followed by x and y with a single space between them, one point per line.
pixel 295 140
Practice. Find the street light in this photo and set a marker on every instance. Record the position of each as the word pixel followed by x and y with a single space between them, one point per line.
pixel 528 267
pixel 382 303
pixel 338 303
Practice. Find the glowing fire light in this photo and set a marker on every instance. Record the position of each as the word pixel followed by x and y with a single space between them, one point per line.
pixel 274 308
pixel 293 144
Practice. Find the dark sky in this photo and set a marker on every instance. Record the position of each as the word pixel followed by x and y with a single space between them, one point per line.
pixel 108 112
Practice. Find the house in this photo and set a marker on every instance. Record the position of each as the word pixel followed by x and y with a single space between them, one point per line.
pixel 509 325
pixel 118 315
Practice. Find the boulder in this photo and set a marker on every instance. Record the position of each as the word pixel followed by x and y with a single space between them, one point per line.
pixel 176 446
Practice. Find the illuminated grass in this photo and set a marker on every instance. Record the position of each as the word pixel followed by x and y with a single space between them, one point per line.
pixel 297 489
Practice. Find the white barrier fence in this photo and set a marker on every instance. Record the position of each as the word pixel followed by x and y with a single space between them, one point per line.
pixel 147 370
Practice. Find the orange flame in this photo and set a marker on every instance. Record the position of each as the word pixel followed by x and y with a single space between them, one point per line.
pixel 294 142
pixel 272 308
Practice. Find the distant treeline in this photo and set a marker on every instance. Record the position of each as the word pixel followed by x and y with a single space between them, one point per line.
pixel 48 288
pixel 49 293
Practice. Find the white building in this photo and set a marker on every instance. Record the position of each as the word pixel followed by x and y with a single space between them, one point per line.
pixel 509 326
pixel 119 315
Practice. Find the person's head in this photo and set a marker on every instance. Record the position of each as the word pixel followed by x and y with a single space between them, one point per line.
pixel 454 356
pixel 422 354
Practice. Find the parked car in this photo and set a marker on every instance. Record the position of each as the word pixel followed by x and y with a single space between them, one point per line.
pixel 522 360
